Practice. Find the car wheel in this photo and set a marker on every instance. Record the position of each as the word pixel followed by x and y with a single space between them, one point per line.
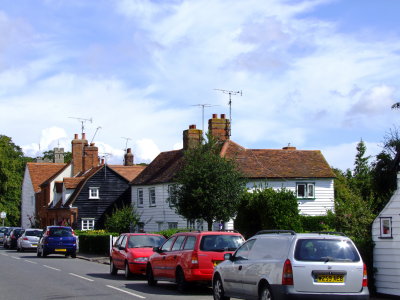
pixel 265 293
pixel 18 249
pixel 218 289
pixel 38 254
pixel 128 273
pixel 113 269
pixel 21 249
pixel 181 281
pixel 150 276
pixel 73 255
pixel 44 253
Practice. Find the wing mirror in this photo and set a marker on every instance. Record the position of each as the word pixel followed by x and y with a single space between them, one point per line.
pixel 156 249
pixel 228 256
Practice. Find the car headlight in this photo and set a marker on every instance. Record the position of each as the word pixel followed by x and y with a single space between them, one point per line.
pixel 141 259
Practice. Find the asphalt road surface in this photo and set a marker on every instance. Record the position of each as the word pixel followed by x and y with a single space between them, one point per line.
pixel 26 276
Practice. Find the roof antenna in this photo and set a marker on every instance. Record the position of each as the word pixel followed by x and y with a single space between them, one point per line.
pixel 230 93
pixel 82 120
pixel 97 129
pixel 202 115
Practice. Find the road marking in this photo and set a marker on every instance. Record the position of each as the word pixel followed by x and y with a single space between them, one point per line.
pixel 3 254
pixel 15 257
pixel 88 279
pixel 132 294
pixel 51 268
pixel 29 261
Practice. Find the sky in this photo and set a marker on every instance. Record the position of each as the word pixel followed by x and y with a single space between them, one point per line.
pixel 315 74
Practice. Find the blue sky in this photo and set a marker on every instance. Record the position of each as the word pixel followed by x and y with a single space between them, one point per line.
pixel 318 74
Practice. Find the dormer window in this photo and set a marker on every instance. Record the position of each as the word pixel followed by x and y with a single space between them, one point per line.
pixel 94 193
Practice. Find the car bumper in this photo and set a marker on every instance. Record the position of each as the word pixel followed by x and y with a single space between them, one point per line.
pixel 59 249
pixel 199 275
pixel 27 245
pixel 138 268
pixel 289 293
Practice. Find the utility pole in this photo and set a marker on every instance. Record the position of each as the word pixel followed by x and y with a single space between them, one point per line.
pixel 202 115
pixel 230 93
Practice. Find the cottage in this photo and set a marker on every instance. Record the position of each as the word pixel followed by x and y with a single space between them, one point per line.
pixel 305 172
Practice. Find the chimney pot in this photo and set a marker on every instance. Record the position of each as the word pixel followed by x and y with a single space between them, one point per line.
pixel 102 161
pixel 129 150
pixel 192 126
pixel 83 136
pixel 215 116
pixel 222 116
pixel 75 136
pixel 91 144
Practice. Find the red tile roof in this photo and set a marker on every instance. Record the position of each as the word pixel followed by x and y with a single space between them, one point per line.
pixel 253 163
pixel 128 172
pixel 72 182
pixel 41 172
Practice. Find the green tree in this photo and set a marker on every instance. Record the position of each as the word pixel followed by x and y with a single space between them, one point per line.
pixel 208 186
pixel 268 209
pixel 122 219
pixel 362 178
pixel 12 166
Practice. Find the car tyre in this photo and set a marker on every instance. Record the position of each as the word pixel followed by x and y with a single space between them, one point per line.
pixel 265 293
pixel 218 290
pixel 128 273
pixel 38 254
pixel 113 269
pixel 18 249
pixel 73 254
pixel 181 281
pixel 150 276
pixel 44 254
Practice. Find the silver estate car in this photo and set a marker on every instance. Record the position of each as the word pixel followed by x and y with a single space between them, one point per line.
pixel 29 239
pixel 281 264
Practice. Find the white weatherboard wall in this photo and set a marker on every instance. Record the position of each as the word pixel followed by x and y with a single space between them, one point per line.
pixel 387 249
pixel 27 200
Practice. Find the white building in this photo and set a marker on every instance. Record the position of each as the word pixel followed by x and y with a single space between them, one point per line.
pixel 304 172
pixel 386 236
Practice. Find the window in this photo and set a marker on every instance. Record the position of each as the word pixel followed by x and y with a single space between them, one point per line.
pixel 172 225
pixel 140 197
pixel 190 242
pixel 140 227
pixel 167 245
pixel 178 243
pixel 305 190
pixel 94 193
pixel 386 227
pixel 160 226
pixel 170 189
pixel 152 196
pixel 243 251
pixel 87 224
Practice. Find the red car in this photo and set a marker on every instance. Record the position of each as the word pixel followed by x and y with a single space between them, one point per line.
pixel 131 251
pixel 190 257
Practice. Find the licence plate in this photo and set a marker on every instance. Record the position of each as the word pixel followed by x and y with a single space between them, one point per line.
pixel 330 278
pixel 60 250
pixel 216 262
pixel 34 245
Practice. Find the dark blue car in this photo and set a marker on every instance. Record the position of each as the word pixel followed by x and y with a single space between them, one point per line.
pixel 57 240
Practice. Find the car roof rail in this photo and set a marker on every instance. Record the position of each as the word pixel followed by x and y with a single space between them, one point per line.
pixel 228 230
pixel 275 231
pixel 330 232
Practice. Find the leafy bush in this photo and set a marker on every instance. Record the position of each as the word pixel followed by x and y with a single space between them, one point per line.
pixel 95 232
pixel 316 223
pixel 169 232
pixel 122 220
pixel 94 243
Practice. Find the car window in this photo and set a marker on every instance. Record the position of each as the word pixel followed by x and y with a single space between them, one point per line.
pixel 270 248
pixel 2 230
pixel 123 242
pixel 243 251
pixel 221 242
pixel 326 250
pixel 178 243
pixel 145 241
pixel 167 245
pixel 118 241
pixel 190 242
pixel 33 233
pixel 60 232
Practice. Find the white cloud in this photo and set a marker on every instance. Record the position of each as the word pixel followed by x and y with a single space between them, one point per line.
pixel 146 149
pixel 376 100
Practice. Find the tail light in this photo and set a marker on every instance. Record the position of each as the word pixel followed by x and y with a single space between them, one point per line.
pixel 73 233
pixel 25 239
pixel 13 236
pixel 287 274
pixel 365 277
pixel 195 260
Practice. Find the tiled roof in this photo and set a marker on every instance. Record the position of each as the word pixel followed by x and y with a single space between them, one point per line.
pixel 128 172
pixel 253 163
pixel 72 182
pixel 41 172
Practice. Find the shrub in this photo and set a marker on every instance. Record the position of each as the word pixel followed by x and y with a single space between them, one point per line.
pixel 316 223
pixel 122 220
pixel 95 243
pixel 169 232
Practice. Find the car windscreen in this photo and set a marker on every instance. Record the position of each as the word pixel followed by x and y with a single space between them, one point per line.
pixel 326 250
pixel 220 243
pixel 33 232
pixel 18 231
pixel 145 241
pixel 60 232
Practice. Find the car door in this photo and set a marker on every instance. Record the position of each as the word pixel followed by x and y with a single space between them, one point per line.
pixel 119 254
pixel 158 261
pixel 173 257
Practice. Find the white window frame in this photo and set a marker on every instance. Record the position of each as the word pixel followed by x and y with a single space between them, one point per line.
pixel 169 195
pixel 386 227
pixel 152 197
pixel 309 190
pixel 87 223
pixel 140 198
pixel 94 192
pixel 172 225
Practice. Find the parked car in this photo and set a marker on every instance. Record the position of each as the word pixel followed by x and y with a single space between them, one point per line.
pixel 2 231
pixel 29 239
pixel 57 240
pixel 287 265
pixel 190 257
pixel 11 238
pixel 7 236
pixel 131 252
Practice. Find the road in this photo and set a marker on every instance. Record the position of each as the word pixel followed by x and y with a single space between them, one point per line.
pixel 26 276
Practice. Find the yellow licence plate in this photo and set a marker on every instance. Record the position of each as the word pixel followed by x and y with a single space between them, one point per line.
pixel 60 250
pixel 330 278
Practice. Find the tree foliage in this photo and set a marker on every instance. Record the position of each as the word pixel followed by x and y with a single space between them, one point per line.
pixel 12 166
pixel 49 155
pixel 268 209
pixel 122 219
pixel 208 186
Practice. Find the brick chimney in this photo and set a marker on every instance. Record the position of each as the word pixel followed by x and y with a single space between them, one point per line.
pixel 219 127
pixel 192 137
pixel 128 158
pixel 58 155
pixel 90 157
pixel 77 153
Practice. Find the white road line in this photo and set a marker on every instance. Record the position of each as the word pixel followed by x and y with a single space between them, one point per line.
pixel 29 261
pixel 51 268
pixel 4 254
pixel 88 279
pixel 15 257
pixel 121 290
